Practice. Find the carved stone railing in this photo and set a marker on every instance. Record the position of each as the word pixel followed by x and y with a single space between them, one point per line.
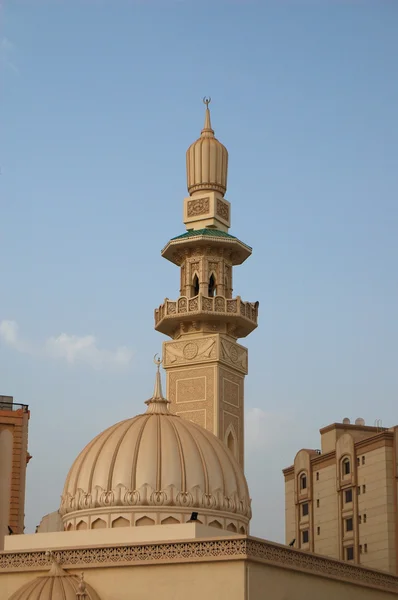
pixel 203 304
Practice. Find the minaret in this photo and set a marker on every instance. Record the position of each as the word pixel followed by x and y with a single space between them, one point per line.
pixel 205 365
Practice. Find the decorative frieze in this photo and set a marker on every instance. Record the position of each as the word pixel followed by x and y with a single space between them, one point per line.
pixel 231 548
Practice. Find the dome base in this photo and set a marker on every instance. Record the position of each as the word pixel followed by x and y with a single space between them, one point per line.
pixel 112 517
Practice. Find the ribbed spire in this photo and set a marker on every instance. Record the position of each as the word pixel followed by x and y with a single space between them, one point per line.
pixel 157 404
pixel 207 161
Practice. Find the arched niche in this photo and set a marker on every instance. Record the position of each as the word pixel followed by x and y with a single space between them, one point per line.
pixel 144 521
pixel 120 522
pixel 98 524
pixel 170 521
pixel 216 524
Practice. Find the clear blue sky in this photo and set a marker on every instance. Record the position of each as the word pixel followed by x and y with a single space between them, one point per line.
pixel 99 102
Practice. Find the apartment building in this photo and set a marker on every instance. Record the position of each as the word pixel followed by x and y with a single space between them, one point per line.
pixel 14 419
pixel 341 500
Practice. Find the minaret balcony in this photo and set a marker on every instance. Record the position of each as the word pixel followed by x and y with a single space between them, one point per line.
pixel 240 316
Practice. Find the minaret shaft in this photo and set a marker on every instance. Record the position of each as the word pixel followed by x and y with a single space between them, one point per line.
pixel 205 366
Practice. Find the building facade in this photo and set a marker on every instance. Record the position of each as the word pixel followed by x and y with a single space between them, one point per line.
pixel 14 420
pixel 341 500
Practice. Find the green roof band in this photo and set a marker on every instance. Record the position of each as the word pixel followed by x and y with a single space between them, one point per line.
pixel 208 232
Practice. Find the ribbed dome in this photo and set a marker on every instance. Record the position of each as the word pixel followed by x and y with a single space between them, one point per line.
pixel 57 585
pixel 207 162
pixel 155 468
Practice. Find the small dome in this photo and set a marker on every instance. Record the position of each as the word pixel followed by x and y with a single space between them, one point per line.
pixel 57 585
pixel 155 468
pixel 207 161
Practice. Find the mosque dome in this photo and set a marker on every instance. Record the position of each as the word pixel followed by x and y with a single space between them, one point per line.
pixel 156 468
pixel 207 161
pixel 56 585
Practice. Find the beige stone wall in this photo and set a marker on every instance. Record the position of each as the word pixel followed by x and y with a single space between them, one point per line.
pixel 290 512
pixel 213 580
pixel 326 542
pixel 13 447
pixel 266 581
pixel 205 384
pixel 377 504
pixel 196 581
pixel 6 443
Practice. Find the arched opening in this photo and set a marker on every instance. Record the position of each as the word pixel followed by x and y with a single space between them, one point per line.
pixel 212 286
pixel 70 527
pixel 242 530
pixel 195 285
pixel 232 527
pixel 231 445
pixel 81 525
pixel 303 481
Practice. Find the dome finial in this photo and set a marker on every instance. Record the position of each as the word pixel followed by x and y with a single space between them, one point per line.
pixel 158 403
pixel 81 588
pixel 207 131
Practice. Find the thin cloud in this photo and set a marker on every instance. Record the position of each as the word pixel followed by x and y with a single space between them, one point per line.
pixel 73 349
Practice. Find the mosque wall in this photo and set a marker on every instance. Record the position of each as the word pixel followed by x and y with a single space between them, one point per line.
pixel 219 579
pixel 286 584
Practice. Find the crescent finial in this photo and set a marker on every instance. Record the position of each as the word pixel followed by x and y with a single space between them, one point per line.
pixel 157 361
pixel 207 100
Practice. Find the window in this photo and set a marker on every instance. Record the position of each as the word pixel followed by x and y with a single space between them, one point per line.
pixel 348 496
pixel 318 530
pixel 346 467
pixel 212 286
pixel 195 286
pixel 349 524
pixel 303 482
pixel 364 518
pixel 365 548
pixel 304 509
pixel 358 461
pixel 349 553
pixel 306 536
pixel 359 519
pixel 364 489
pixel 360 548
pixel 317 476
pixel 363 460
pixel 317 503
pixel 359 490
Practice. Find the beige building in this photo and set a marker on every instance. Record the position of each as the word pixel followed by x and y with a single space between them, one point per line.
pixel 14 419
pixel 158 504
pixel 341 500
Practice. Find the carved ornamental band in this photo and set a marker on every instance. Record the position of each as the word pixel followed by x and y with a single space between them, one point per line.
pixel 222 209
pixel 198 206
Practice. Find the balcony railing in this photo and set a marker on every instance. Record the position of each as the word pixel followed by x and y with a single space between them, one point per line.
pixel 12 406
pixel 235 307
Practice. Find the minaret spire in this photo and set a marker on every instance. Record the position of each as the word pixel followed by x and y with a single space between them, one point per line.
pixel 158 403
pixel 207 174
pixel 207 130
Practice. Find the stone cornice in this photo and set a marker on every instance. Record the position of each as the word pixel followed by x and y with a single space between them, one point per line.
pixel 216 549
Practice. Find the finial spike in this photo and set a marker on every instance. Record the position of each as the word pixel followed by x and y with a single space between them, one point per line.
pixel 207 131
pixel 158 403
pixel 157 392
